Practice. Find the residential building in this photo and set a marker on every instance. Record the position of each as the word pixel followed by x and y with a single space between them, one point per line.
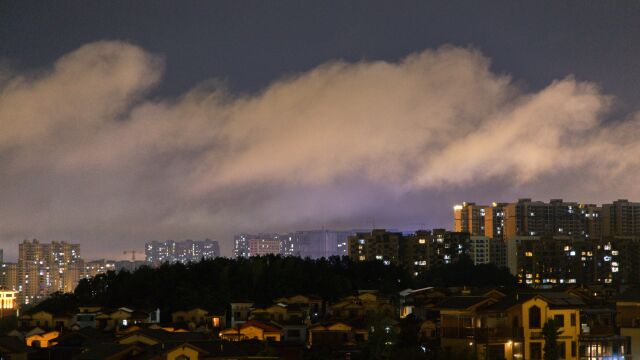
pixel 44 268
pixel 509 327
pixel 158 252
pixel 470 218
pixel 494 221
pixel 95 267
pixel 316 244
pixel 9 275
pixel 480 249
pixel 621 218
pixel 247 245
pixel 8 302
pixel 378 244
pixel 258 330
pixel 628 318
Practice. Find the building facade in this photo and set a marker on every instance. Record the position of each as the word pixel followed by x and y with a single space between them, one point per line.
pixel 45 268
pixel 159 252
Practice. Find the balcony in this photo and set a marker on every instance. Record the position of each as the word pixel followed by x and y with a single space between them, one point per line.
pixel 483 334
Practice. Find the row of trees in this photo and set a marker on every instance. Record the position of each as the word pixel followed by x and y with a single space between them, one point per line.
pixel 213 284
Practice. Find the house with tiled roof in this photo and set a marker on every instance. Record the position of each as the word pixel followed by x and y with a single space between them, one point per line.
pixel 252 329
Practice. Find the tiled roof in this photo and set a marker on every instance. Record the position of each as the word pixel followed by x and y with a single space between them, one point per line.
pixel 461 302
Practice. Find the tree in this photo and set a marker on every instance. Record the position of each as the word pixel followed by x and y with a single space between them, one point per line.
pixel 550 333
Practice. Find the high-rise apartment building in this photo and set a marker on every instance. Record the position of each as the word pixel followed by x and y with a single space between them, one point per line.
pixel 470 218
pixel 621 218
pixel 378 244
pixel 9 276
pixel 247 245
pixel 158 252
pixel 494 221
pixel 44 268
pixel 316 244
pixel 416 252
pixel 536 218
pixel 263 247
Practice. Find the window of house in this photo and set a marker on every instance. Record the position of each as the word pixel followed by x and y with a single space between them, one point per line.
pixel 562 351
pixel 559 320
pixel 573 319
pixel 534 317
pixel 535 351
pixel 573 349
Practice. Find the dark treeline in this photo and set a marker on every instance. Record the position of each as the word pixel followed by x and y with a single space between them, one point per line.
pixel 213 284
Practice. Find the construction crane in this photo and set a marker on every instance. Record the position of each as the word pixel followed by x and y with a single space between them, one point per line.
pixel 132 252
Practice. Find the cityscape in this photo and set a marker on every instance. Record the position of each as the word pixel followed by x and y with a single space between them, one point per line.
pixel 320 180
pixel 587 250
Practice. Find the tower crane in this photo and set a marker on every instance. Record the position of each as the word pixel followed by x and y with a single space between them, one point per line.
pixel 132 252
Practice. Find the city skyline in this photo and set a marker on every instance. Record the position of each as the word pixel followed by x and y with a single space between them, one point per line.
pixel 114 133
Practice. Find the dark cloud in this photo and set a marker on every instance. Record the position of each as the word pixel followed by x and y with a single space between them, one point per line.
pixel 85 156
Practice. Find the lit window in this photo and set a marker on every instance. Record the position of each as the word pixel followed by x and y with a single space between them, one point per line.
pixel 528 254
pixel 422 241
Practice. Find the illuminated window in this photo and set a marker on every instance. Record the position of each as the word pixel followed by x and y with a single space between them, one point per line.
pixel 528 254
pixel 422 241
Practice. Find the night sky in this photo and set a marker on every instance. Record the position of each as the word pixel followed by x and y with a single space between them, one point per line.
pixel 128 121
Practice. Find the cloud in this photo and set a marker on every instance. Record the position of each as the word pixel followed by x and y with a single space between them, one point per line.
pixel 86 155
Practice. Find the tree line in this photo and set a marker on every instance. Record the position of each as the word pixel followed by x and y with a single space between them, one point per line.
pixel 212 284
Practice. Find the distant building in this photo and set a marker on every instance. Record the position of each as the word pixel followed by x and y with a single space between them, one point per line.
pixel 9 276
pixel 45 268
pixel 262 247
pixel 416 252
pixel 480 249
pixel 316 244
pixel 247 245
pixel 378 244
pixel 157 252
pixel 8 302
pixel 470 218
pixel 129 265
pixel 494 221
pixel 621 218
pixel 95 267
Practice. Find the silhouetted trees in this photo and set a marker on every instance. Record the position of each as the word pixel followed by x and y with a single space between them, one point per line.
pixel 212 284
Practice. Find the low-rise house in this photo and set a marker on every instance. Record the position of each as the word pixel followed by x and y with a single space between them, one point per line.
pixel 363 305
pixel 628 318
pixel 253 329
pixel 43 340
pixel 13 348
pixel 240 312
pixel 42 319
pixel 196 316
pixel 512 326
pixel 337 334
pixel 420 302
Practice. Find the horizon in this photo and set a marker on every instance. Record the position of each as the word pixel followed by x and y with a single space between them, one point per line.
pixel 205 120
